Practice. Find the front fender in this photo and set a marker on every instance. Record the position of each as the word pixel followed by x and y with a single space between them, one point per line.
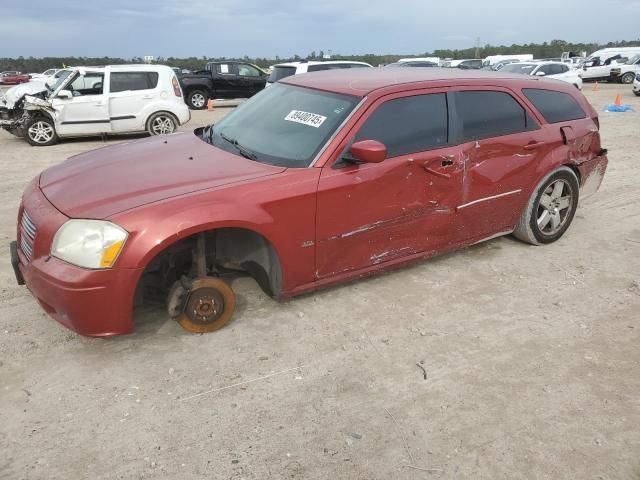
pixel 148 238
pixel 280 208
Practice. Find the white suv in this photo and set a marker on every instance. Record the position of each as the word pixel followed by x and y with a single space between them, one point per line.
pixel 558 70
pixel 97 101
pixel 283 70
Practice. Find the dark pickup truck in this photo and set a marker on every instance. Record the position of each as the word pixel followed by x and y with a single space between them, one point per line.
pixel 222 80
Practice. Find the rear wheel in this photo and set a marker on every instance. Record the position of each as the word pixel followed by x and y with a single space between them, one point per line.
pixel 161 123
pixel 628 78
pixel 40 132
pixel 550 209
pixel 205 305
pixel 197 99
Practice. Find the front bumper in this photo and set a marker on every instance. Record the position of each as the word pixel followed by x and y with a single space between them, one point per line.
pixel 89 302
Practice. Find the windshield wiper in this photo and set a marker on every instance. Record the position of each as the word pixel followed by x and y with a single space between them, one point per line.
pixel 241 150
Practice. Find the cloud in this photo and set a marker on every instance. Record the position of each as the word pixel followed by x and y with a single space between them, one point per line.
pixel 235 28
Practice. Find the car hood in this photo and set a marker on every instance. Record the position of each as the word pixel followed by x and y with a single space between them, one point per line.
pixel 110 180
pixel 11 96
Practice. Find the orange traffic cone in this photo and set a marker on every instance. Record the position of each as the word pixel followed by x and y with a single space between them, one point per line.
pixel 596 87
pixel 210 105
pixel 618 100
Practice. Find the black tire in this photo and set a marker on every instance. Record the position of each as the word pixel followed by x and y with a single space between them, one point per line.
pixel 637 94
pixel 40 132
pixel 628 78
pixel 161 123
pixel 528 228
pixel 197 99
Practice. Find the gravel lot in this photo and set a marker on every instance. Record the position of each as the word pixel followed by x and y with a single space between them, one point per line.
pixel 532 359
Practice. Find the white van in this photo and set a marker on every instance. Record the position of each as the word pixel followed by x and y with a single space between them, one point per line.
pixel 599 64
pixel 96 101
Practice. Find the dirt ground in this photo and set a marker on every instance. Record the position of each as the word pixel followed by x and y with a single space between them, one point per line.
pixel 531 354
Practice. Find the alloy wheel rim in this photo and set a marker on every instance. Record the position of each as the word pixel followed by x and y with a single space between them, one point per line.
pixel 41 132
pixel 554 207
pixel 198 100
pixel 162 125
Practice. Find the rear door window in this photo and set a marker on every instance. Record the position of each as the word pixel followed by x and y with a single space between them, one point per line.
pixel 278 73
pixel 554 106
pixel 409 124
pixel 125 81
pixel 485 114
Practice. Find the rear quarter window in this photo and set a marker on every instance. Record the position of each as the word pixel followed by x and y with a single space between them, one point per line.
pixel 279 73
pixel 125 81
pixel 554 106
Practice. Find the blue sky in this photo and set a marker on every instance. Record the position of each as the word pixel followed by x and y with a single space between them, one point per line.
pixel 267 28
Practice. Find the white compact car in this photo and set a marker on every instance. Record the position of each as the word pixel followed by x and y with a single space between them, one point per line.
pixel 283 70
pixel 96 101
pixel 558 70
pixel 636 85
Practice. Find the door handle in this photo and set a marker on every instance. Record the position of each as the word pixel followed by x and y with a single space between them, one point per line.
pixel 444 161
pixel 534 145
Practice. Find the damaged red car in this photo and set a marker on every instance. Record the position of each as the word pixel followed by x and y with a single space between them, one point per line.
pixel 319 179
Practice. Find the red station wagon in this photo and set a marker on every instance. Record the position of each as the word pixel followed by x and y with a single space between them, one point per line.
pixel 319 179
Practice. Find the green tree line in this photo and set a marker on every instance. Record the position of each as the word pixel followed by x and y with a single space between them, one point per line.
pixel 538 50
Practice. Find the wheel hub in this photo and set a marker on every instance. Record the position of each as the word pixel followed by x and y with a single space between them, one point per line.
pixel 204 305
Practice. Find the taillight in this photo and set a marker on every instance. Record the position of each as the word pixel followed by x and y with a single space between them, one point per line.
pixel 596 120
pixel 176 87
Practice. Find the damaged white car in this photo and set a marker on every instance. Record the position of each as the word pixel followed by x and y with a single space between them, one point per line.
pixel 96 101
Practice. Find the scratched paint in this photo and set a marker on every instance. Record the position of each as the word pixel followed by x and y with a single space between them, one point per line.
pixel 386 255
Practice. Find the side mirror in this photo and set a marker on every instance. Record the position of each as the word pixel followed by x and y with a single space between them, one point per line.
pixel 540 74
pixel 368 151
pixel 65 94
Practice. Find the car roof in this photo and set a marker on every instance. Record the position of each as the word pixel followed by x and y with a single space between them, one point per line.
pixel 315 62
pixel 121 67
pixel 362 81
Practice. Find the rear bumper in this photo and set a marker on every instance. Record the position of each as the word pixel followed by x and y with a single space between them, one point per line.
pixel 591 174
pixel 94 303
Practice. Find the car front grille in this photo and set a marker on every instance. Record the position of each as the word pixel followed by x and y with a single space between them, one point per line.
pixel 28 232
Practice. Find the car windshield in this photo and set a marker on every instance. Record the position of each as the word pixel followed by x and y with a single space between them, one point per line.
pixel 282 125
pixel 64 74
pixel 633 60
pixel 523 68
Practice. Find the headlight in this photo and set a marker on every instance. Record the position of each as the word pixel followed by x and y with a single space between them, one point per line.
pixel 89 243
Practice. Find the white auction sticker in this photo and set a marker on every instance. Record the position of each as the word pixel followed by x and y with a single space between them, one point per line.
pixel 306 118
